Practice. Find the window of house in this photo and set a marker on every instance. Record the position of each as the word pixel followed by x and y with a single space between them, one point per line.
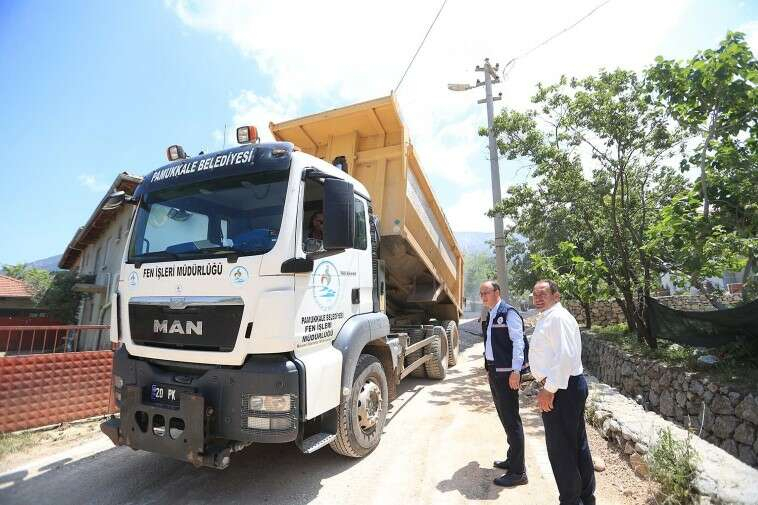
pixel 98 258
pixel 107 253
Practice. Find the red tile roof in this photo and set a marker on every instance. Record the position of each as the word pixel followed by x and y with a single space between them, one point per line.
pixel 10 287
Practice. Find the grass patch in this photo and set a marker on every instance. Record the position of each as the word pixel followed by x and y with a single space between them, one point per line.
pixel 15 442
pixel 738 361
pixel 672 464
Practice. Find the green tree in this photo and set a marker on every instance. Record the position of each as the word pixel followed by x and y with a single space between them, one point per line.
pixel 37 279
pixel 478 267
pixel 598 148
pixel 52 291
pixel 580 279
pixel 714 98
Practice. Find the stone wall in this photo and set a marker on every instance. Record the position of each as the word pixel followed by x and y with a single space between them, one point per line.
pixel 697 303
pixel 603 312
pixel 719 479
pixel 728 414
pixel 608 311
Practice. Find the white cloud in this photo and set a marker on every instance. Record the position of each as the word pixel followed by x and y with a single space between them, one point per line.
pixel 90 182
pixel 750 29
pixel 320 55
pixel 469 212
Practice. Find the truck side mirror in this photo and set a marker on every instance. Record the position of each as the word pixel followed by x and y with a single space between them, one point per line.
pixel 339 214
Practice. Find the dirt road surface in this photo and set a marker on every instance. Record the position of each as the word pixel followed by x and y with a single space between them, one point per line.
pixel 437 447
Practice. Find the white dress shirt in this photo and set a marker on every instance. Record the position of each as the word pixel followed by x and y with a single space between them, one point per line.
pixel 555 350
pixel 515 332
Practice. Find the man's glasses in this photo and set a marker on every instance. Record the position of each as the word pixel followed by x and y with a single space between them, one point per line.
pixel 482 293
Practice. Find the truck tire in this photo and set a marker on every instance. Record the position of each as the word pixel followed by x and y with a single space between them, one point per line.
pixel 453 342
pixel 436 368
pixel 416 335
pixel 361 415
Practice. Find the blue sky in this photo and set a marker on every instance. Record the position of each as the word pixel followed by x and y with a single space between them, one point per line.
pixel 90 89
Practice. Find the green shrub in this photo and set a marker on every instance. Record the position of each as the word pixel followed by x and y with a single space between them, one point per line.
pixel 672 464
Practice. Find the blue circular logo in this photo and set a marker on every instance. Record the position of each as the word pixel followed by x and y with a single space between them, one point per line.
pixel 239 276
pixel 326 285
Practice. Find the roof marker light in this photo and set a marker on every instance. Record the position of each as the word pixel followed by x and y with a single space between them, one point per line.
pixel 247 135
pixel 175 152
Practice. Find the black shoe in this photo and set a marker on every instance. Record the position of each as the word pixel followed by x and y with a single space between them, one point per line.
pixel 512 480
pixel 502 464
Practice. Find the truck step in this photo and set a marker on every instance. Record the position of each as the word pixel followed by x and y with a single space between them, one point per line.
pixel 317 441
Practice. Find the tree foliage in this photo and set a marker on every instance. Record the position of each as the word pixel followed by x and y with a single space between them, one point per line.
pixel 579 278
pixel 599 148
pixel 714 98
pixel 52 291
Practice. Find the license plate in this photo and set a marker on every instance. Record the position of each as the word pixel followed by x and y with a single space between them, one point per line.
pixel 162 393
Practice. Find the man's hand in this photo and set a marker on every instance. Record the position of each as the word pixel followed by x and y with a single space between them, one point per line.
pixel 514 380
pixel 545 400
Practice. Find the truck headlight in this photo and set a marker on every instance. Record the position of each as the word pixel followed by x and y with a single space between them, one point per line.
pixel 279 403
pixel 118 382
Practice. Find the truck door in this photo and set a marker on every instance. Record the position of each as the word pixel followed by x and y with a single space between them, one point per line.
pixel 363 253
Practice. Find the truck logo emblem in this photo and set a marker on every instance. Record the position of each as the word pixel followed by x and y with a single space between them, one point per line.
pixel 189 327
pixel 325 283
pixel 239 276
pixel 133 279
pixel 178 303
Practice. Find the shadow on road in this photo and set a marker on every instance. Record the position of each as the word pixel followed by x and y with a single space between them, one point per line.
pixel 473 482
pixel 261 473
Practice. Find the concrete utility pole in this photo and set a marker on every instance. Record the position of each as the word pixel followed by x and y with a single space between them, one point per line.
pixel 490 78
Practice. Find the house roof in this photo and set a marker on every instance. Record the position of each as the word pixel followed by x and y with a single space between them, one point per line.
pixel 13 288
pixel 98 222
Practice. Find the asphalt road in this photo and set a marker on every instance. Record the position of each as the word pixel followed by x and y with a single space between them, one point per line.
pixel 437 447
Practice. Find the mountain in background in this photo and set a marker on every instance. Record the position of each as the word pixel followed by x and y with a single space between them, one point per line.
pixel 473 242
pixel 50 264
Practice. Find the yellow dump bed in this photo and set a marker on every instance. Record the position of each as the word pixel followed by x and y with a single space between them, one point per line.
pixel 424 262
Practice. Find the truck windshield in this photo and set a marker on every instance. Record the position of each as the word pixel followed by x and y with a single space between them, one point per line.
pixel 238 215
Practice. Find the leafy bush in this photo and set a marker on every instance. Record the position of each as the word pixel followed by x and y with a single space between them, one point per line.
pixel 672 464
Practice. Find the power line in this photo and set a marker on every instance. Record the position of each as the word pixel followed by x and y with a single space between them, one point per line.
pixel 552 37
pixel 420 46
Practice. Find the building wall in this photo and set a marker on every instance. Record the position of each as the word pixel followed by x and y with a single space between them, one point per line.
pixel 103 260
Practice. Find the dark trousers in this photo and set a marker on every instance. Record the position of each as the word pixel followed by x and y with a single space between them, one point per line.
pixel 506 403
pixel 567 446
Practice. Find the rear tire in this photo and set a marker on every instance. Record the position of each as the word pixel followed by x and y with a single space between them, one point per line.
pixel 361 415
pixel 416 335
pixel 436 368
pixel 453 342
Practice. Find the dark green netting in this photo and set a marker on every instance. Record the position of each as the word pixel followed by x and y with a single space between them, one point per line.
pixel 703 329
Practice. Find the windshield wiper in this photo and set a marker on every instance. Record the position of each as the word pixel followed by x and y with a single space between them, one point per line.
pixel 146 257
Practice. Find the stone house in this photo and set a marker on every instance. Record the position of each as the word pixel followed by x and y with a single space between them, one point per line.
pixel 95 252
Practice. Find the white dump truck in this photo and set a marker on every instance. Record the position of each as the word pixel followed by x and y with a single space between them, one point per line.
pixel 278 292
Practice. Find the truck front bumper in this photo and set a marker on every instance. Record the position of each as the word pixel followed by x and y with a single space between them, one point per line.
pixel 214 411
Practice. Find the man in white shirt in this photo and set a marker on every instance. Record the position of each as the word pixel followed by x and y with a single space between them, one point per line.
pixel 505 350
pixel 555 358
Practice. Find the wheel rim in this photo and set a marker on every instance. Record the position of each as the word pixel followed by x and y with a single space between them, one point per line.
pixel 369 405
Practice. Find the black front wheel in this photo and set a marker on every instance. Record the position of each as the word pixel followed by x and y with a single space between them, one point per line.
pixel 362 414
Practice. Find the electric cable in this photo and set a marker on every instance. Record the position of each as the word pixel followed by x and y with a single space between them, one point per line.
pixel 552 37
pixel 420 46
